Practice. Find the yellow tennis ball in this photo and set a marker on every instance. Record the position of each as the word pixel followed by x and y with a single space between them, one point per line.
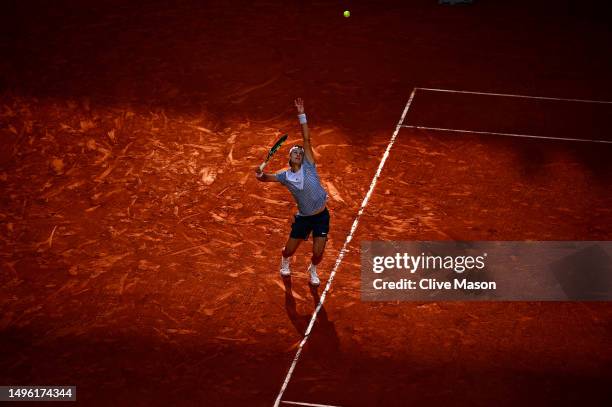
pixel 347 13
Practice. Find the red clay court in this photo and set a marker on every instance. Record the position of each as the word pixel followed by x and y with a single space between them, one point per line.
pixel 139 255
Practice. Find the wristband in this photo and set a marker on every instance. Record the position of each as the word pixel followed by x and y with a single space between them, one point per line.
pixel 302 118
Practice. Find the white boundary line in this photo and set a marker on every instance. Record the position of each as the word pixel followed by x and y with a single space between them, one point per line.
pixel 506 134
pixel 297 403
pixel 343 251
pixel 517 96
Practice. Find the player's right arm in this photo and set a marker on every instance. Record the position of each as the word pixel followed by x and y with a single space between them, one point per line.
pixel 264 177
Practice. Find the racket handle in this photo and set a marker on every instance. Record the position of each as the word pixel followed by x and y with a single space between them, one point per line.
pixel 263 165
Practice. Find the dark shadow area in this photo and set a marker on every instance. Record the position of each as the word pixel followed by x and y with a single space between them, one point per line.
pixel 300 322
pixel 323 339
pixel 585 275
pixel 248 60
pixel 109 368
pixel 538 157
pixel 597 159
pixel 379 381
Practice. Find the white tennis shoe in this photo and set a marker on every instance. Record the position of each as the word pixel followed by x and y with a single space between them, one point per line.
pixel 314 278
pixel 284 269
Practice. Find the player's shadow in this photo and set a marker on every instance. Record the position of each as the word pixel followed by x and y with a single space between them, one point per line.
pixel 323 338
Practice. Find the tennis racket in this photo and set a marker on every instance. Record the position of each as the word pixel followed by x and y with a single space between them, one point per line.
pixel 273 150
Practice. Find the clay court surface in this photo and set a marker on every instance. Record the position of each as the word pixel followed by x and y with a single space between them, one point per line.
pixel 139 255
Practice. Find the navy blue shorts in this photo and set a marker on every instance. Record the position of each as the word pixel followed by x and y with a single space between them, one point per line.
pixel 317 224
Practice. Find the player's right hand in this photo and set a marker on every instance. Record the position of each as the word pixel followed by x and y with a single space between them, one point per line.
pixel 258 172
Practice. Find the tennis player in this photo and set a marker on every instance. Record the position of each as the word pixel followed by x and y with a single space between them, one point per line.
pixel 302 180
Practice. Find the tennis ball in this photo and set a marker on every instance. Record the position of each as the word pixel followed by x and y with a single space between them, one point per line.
pixel 347 13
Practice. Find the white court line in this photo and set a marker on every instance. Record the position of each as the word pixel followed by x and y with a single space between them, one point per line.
pixel 506 134
pixel 517 96
pixel 297 403
pixel 343 251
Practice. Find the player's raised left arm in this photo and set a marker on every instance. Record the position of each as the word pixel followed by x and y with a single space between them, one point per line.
pixel 308 153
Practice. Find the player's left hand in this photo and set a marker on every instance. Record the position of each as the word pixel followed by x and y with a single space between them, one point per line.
pixel 299 104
